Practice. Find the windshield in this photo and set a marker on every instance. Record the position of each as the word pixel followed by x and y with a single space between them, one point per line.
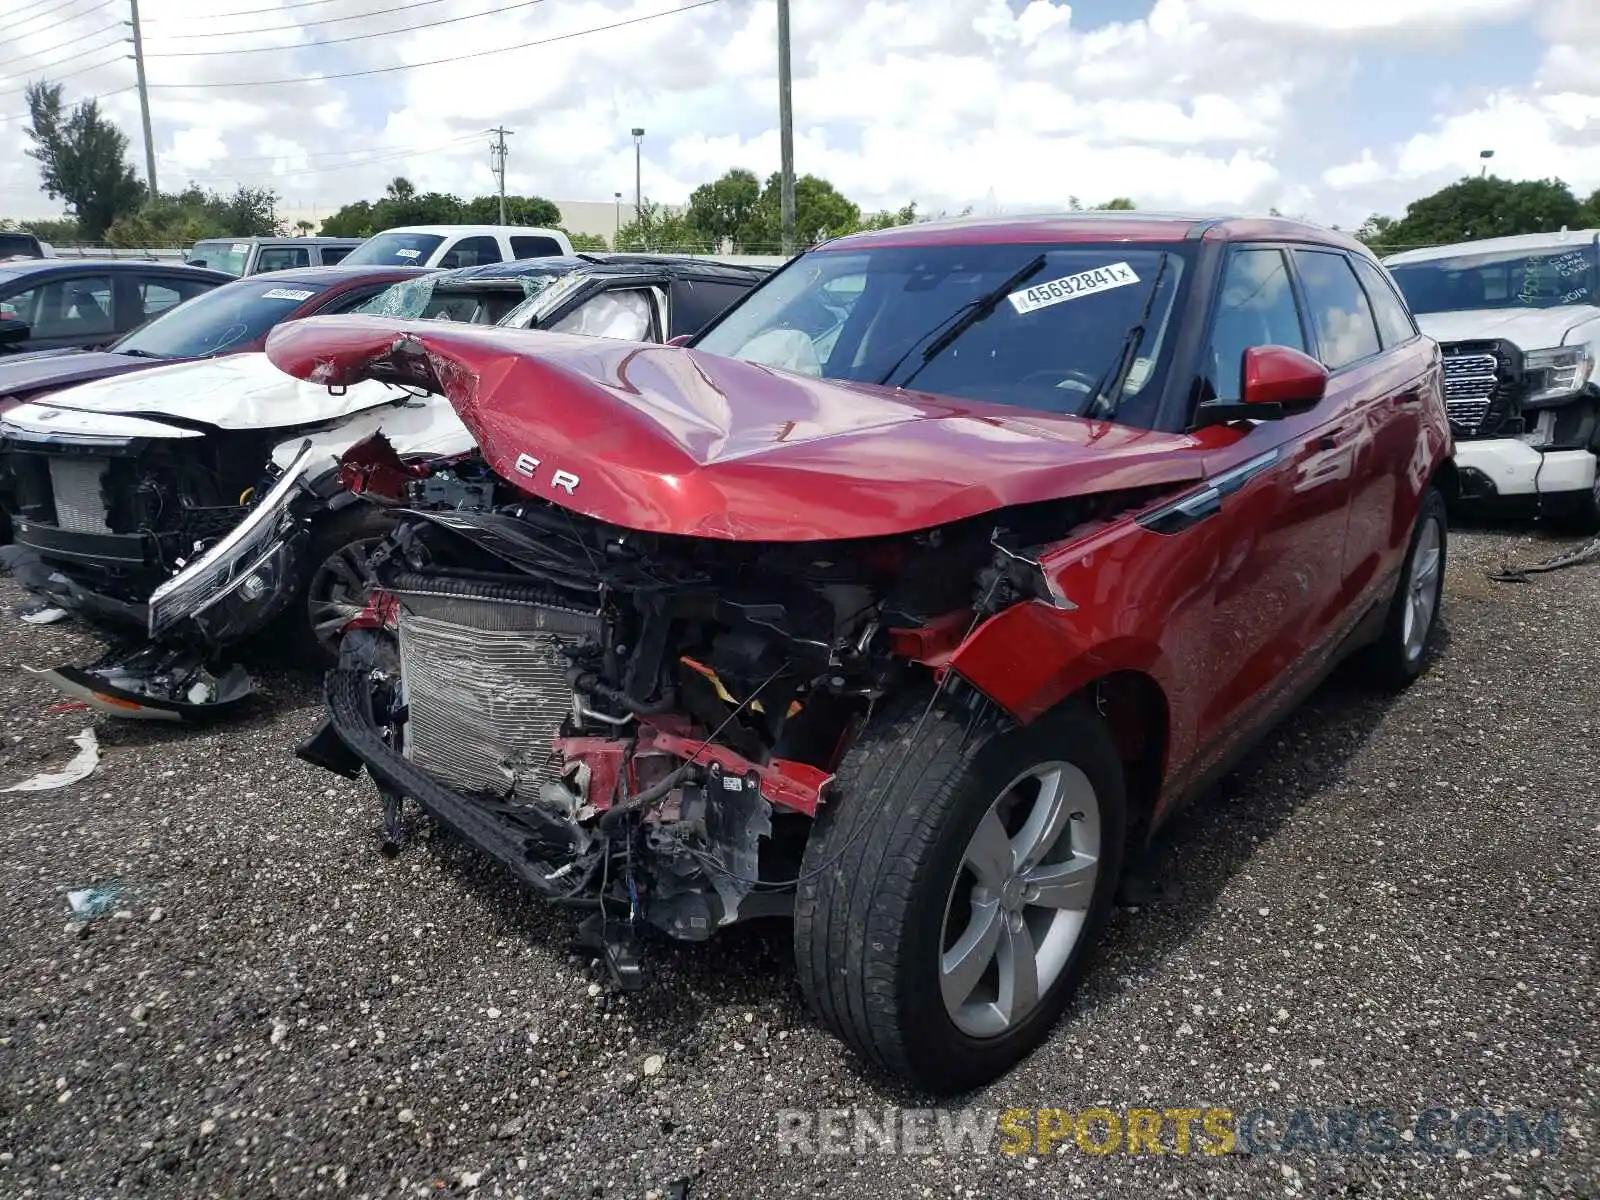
pixel 1504 279
pixel 394 250
pixel 221 256
pixel 221 319
pixel 436 298
pixel 23 244
pixel 1053 342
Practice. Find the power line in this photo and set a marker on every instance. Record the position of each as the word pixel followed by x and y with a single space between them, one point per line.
pixel 70 74
pixel 466 137
pixel 381 12
pixel 238 83
pixel 339 166
pixel 17 16
pixel 86 99
pixel 243 12
pixel 70 57
pixel 354 37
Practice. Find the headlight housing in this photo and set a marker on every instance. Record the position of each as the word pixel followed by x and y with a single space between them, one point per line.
pixel 1558 372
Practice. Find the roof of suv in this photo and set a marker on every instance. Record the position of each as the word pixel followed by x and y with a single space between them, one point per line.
pixel 605 264
pixel 338 274
pixel 38 265
pixel 1098 226
pixel 1520 243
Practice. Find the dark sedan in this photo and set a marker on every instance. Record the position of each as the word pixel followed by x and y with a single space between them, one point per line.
pixel 51 303
pixel 230 319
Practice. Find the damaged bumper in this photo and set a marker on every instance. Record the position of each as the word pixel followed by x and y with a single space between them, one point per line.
pixel 1507 468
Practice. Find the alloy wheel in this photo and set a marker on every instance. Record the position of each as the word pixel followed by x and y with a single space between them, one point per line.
pixel 1020 900
pixel 338 591
pixel 1422 588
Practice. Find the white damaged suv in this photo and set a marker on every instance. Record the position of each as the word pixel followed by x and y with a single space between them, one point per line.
pixel 1518 320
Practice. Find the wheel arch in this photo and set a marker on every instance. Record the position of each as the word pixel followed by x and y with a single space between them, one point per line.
pixel 1135 709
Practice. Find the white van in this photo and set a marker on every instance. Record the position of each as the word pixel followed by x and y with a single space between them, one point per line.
pixel 458 246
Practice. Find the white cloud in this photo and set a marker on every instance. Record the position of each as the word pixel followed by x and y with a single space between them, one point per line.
pixel 984 102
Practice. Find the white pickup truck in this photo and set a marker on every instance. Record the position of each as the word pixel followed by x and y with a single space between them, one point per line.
pixel 1518 320
pixel 453 246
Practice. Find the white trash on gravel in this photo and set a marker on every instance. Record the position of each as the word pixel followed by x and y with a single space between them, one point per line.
pixel 82 765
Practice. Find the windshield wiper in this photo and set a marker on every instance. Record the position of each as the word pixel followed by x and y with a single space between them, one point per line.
pixel 1111 390
pixel 965 317
pixel 139 354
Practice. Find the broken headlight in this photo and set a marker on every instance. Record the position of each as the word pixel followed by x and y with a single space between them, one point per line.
pixel 244 563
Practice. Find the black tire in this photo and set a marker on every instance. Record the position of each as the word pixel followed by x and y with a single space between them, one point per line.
pixel 878 873
pixel 1583 517
pixel 347 534
pixel 1394 662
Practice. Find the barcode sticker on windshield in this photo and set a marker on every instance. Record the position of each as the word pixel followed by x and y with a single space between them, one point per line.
pixel 239 248
pixel 408 253
pixel 1070 287
pixel 286 294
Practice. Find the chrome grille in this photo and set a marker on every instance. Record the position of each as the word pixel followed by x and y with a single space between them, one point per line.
pixel 486 688
pixel 1469 383
pixel 76 486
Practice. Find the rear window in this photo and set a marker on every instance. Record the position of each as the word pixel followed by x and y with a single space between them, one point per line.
pixel 19 243
pixel 223 319
pixel 395 250
pixel 534 247
pixel 229 256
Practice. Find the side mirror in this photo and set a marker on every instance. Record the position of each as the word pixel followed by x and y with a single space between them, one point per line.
pixel 1273 381
pixel 1281 376
pixel 12 332
pixel 681 340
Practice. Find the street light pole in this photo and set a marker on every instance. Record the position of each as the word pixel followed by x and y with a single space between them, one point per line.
pixel 638 190
pixel 616 235
pixel 785 131
pixel 1486 155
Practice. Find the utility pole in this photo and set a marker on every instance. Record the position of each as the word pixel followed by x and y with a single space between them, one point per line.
pixel 497 157
pixel 616 234
pixel 785 130
pixel 144 99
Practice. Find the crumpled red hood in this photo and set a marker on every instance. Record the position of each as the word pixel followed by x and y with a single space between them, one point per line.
pixel 671 440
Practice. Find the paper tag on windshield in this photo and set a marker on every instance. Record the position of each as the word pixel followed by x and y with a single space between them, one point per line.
pixel 408 254
pixel 1070 287
pixel 286 294
pixel 240 248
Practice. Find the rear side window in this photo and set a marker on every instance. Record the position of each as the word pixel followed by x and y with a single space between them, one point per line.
pixel 79 307
pixel 334 254
pixel 14 244
pixel 1394 321
pixel 534 247
pixel 282 258
pixel 472 252
pixel 695 302
pixel 1256 308
pixel 1346 329
pixel 158 295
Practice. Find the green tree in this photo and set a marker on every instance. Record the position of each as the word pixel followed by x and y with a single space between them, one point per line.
pixel 183 218
pixel 1590 217
pixel 587 241
pixel 1480 207
pixel 722 208
pixel 1117 204
pixel 658 229
pixel 353 220
pixel 82 159
pixel 890 220
pixel 63 231
pixel 520 210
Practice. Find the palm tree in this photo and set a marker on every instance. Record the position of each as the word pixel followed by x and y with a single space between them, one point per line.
pixel 303 227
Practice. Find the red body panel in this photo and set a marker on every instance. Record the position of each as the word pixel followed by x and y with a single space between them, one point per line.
pixel 670 440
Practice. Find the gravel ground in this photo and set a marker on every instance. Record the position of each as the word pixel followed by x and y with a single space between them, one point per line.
pixel 1391 903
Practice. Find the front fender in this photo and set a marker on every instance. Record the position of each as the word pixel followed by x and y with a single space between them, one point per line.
pixel 1032 656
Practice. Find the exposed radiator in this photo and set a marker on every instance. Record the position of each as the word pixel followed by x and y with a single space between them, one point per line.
pixel 486 688
pixel 77 488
